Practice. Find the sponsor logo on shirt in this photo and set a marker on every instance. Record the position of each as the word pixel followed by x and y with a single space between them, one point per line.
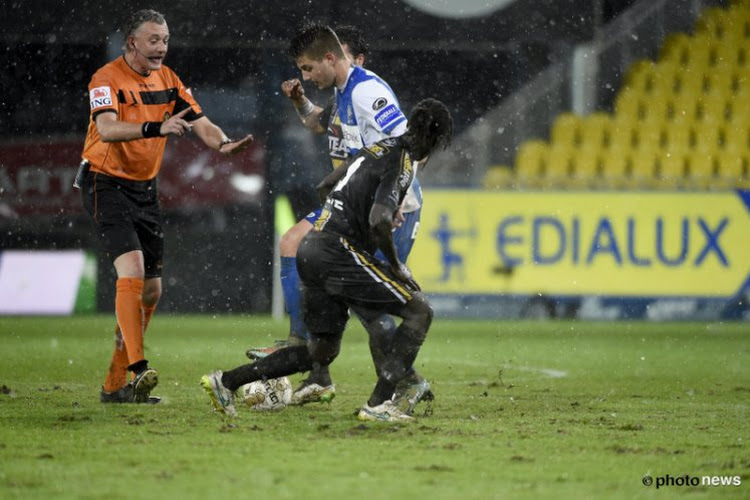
pixel 337 147
pixel 379 103
pixel 100 97
pixel 352 137
pixel 388 115
pixel 404 180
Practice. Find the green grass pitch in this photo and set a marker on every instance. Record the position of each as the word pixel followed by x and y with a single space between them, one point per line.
pixel 563 410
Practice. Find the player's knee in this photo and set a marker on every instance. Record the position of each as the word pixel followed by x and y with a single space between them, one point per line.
pixel 418 313
pixel 324 349
pixel 151 292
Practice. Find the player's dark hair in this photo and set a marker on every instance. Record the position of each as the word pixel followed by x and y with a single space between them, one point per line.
pixel 354 38
pixel 315 40
pixel 138 19
pixel 430 126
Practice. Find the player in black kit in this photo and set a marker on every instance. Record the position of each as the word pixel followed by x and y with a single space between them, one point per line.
pixel 338 270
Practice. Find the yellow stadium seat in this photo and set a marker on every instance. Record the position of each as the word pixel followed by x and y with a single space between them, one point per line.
pixel 721 81
pixel 558 163
pixel 566 129
pixel 728 25
pixel 656 108
pixel 676 49
pixel 530 164
pixel 713 107
pixel 498 177
pixel 707 137
pixel 629 104
pixel 614 169
pixel 683 106
pixel 650 136
pixel 596 130
pixel 743 54
pixel 701 170
pixel 639 75
pixel 711 22
pixel 665 78
pixel 729 54
pixel 646 76
pixel 731 170
pixel 586 168
pixel 738 26
pixel 691 80
pixel 739 109
pixel 701 52
pixel 678 136
pixel 741 80
pixel 736 138
pixel 672 170
pixel 623 133
pixel 643 168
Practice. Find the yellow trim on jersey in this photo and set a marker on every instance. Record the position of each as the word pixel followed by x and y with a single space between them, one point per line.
pixel 374 269
pixel 321 221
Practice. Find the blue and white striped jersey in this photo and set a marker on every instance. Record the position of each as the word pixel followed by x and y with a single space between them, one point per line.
pixel 370 112
pixel 368 109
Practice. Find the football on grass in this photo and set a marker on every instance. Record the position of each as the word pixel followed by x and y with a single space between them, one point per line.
pixel 267 395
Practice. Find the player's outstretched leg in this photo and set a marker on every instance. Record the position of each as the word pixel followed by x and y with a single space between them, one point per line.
pixel 298 333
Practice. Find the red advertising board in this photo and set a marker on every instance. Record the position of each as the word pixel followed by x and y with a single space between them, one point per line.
pixel 36 178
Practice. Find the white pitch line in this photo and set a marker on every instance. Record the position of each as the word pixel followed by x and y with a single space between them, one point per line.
pixel 546 371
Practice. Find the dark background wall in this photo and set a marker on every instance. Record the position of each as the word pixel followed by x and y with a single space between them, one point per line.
pixel 232 54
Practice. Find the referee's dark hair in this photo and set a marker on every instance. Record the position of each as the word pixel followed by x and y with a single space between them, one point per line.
pixel 430 126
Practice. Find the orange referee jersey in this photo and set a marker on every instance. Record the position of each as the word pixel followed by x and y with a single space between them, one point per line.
pixel 117 88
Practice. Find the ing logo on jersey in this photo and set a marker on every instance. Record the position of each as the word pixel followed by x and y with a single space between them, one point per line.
pixel 100 97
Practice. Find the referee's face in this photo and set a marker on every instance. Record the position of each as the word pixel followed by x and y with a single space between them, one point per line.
pixel 321 73
pixel 149 45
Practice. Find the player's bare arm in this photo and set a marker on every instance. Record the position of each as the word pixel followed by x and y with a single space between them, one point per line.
pixel 381 225
pixel 113 130
pixel 215 138
pixel 308 112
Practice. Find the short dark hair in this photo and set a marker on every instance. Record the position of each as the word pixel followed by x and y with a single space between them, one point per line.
pixel 354 38
pixel 315 40
pixel 430 126
pixel 141 17
pixel 138 19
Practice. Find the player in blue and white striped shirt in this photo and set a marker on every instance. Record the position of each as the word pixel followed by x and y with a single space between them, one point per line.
pixel 367 111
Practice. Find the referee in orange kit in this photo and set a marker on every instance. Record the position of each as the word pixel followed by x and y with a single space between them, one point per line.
pixel 136 102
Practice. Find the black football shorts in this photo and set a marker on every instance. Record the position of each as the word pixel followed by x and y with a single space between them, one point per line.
pixel 127 217
pixel 336 275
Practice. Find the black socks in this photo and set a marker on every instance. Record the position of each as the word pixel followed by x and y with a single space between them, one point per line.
pixel 286 361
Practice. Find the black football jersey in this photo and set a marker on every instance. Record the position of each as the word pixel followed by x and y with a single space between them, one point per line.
pixel 381 173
